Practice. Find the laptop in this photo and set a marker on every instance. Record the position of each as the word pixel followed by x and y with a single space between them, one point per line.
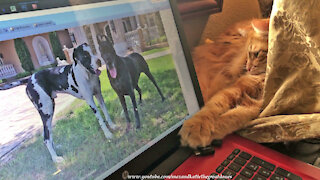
pixel 42 35
pixel 42 42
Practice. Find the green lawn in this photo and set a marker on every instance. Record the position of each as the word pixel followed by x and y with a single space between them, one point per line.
pixel 154 51
pixel 79 138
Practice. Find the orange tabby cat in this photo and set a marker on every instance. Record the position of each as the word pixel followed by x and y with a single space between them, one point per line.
pixel 233 96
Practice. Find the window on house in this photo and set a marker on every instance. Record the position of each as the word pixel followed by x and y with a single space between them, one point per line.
pixel 127 24
pixel 1 59
pixel 73 38
pixel 151 20
pixel 113 27
pixel 124 26
pixel 88 32
pixel 135 22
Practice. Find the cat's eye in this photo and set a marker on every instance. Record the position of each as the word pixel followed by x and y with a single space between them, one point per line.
pixel 256 54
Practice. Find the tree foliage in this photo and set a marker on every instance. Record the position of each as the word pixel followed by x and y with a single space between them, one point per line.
pixel 56 46
pixel 23 54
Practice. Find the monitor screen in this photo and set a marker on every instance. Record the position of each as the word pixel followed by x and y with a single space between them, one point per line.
pixel 67 77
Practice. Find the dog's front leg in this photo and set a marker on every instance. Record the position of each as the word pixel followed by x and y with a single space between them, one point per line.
pixel 96 112
pixel 140 95
pixel 48 140
pixel 125 109
pixel 135 109
pixel 105 111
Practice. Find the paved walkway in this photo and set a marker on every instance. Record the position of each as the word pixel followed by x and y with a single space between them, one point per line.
pixel 19 120
pixel 157 54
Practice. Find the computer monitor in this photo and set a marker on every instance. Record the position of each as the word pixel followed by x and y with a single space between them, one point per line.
pixel 41 36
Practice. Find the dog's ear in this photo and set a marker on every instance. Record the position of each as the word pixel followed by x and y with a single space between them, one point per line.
pixel 74 55
pixel 85 44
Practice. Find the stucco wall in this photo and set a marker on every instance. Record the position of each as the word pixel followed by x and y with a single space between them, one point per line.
pixel 10 55
pixel 64 38
pixel 100 28
pixel 28 41
pixel 120 43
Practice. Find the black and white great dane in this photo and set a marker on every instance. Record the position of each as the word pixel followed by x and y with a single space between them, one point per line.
pixel 80 79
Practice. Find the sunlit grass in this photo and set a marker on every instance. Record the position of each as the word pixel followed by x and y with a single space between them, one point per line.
pixel 154 51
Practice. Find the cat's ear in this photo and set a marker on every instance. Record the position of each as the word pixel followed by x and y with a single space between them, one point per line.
pixel 243 31
pixel 260 26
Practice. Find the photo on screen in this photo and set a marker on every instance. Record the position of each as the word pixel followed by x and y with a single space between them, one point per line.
pixel 76 133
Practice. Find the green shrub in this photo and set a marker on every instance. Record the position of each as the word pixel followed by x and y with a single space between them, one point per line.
pixel 163 39
pixel 158 40
pixel 27 73
pixel 23 54
pixel 44 67
pixel 23 74
pixel 56 46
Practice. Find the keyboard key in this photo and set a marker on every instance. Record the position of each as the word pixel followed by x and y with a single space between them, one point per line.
pixel 228 172
pixel 219 169
pixel 276 177
pixel 282 172
pixel 258 177
pixel 241 178
pixel 231 156
pixel 287 174
pixel 240 161
pixel 256 160
pixel 225 163
pixel 252 166
pixel 247 173
pixel 236 151
pixel 268 165
pixel 235 167
pixel 245 155
pixel 264 172
pixel 263 163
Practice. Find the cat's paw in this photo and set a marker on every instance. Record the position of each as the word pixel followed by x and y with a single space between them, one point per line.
pixel 196 132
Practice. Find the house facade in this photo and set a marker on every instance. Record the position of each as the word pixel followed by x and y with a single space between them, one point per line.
pixel 128 34
pixel 40 50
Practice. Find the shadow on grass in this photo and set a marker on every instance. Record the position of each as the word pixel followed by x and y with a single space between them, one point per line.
pixel 79 138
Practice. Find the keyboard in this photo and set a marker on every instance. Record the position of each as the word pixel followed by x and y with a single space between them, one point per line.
pixel 241 165
pixel 241 158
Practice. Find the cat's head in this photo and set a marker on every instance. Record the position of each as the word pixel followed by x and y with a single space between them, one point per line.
pixel 257 47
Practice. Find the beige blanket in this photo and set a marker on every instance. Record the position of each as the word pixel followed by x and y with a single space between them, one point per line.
pixel 292 90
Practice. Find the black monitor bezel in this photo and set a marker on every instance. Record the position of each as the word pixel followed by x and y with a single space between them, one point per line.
pixel 147 161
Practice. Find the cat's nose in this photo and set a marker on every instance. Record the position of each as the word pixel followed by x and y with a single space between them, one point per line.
pixel 248 68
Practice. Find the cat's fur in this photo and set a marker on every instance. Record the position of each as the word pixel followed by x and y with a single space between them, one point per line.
pixel 231 72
